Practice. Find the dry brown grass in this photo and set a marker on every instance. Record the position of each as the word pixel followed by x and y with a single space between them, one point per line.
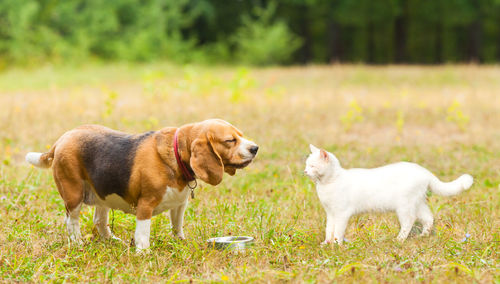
pixel 445 118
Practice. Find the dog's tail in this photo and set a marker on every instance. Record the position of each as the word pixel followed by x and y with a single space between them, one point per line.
pixel 41 160
pixel 451 188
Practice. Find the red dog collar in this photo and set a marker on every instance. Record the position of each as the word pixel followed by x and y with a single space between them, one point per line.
pixel 185 172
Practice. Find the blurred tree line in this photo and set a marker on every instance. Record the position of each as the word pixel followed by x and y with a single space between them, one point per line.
pixel 250 31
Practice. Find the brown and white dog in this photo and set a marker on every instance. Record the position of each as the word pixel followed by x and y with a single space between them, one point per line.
pixel 140 174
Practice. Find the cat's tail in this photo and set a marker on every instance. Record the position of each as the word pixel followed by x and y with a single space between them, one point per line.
pixel 451 188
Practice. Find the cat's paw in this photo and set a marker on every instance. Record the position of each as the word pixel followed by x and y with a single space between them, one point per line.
pixel 338 241
pixel 425 233
pixel 325 243
pixel 401 239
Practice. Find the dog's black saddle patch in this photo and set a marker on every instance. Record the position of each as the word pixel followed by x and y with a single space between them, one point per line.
pixel 108 159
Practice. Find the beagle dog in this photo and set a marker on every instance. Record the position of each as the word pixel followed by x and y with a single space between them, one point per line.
pixel 143 174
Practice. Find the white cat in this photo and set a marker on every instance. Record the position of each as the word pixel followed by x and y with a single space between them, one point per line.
pixel 399 187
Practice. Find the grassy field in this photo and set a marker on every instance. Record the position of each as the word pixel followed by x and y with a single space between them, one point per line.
pixel 445 118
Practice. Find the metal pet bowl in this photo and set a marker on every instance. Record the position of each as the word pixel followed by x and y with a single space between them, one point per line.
pixel 236 243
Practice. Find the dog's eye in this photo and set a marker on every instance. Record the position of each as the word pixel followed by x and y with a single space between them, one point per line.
pixel 231 140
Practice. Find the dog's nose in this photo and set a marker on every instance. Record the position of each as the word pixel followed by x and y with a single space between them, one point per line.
pixel 254 150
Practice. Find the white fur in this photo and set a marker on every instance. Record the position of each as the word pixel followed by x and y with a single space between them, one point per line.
pixel 73 224
pixel 101 221
pixel 399 187
pixel 244 148
pixel 142 232
pixel 33 158
pixel 174 200
pixel 177 218
pixel 114 201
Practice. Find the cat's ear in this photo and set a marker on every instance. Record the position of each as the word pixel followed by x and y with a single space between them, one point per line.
pixel 313 148
pixel 324 155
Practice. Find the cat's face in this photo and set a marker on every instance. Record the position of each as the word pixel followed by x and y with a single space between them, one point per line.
pixel 317 164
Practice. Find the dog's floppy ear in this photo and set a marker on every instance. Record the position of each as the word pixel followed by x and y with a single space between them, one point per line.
pixel 205 161
pixel 313 148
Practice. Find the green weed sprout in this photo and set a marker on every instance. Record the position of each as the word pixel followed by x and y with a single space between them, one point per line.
pixel 455 114
pixel 110 104
pixel 241 82
pixel 400 121
pixel 151 122
pixel 354 114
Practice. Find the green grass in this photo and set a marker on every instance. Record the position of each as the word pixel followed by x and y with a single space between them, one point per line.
pixel 404 114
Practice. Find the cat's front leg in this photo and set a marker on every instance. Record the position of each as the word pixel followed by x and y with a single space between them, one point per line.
pixel 329 229
pixel 340 222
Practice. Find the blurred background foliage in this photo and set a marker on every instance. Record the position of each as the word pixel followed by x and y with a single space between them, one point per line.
pixel 250 32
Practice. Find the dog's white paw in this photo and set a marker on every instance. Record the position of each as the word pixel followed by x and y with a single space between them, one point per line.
pixel 75 239
pixel 144 251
